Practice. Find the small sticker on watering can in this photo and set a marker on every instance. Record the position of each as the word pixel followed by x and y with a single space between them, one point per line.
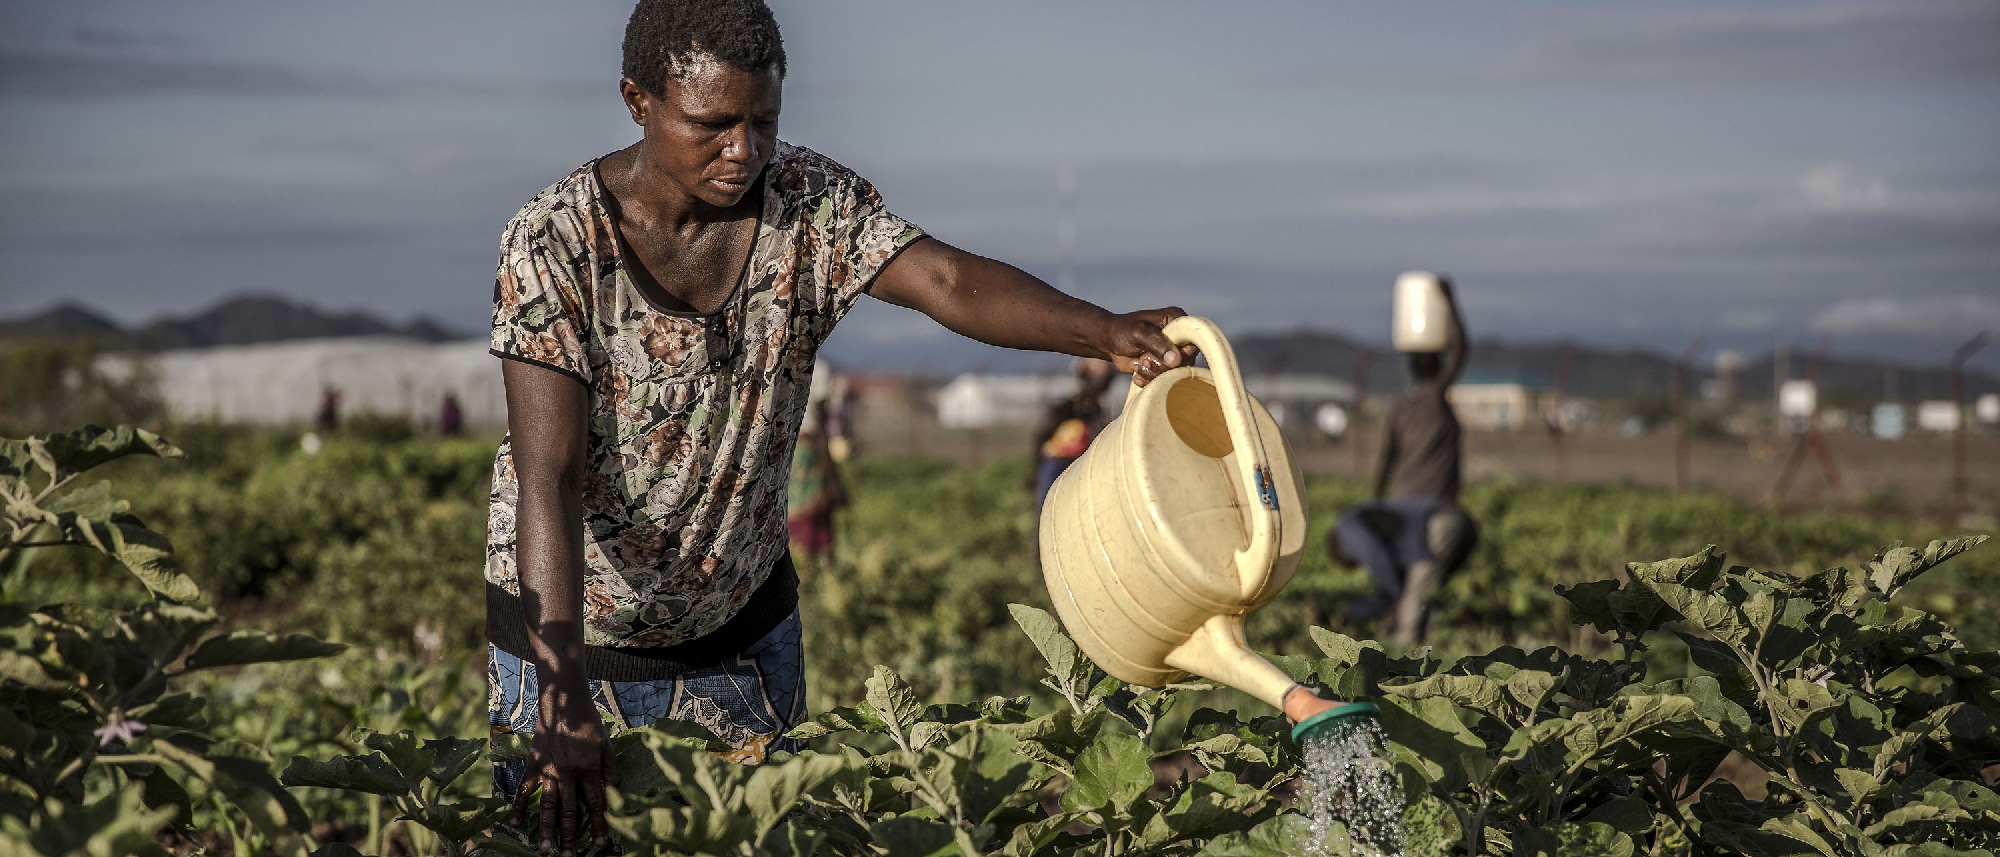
pixel 1266 491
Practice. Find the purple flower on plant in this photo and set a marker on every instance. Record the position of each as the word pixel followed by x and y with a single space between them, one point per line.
pixel 118 729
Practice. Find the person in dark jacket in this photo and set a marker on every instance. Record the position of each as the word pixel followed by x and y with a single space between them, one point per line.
pixel 1416 492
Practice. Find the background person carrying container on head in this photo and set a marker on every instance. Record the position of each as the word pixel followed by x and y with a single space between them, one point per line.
pixel 1414 532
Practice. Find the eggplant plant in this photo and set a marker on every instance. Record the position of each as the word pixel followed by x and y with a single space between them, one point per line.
pixel 101 747
pixel 1728 711
pixel 91 721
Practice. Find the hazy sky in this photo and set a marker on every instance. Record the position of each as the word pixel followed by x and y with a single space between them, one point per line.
pixel 1619 174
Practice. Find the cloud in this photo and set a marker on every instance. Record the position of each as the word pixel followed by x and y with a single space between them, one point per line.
pixel 1834 186
pixel 41 74
pixel 1940 315
pixel 96 36
pixel 1902 44
pixel 79 76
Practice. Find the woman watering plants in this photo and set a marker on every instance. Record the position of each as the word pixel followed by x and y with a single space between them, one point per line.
pixel 659 310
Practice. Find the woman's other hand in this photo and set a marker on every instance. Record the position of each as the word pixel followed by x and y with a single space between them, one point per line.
pixel 570 763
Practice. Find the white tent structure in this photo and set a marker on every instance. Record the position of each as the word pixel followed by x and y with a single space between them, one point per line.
pixel 976 400
pixel 282 382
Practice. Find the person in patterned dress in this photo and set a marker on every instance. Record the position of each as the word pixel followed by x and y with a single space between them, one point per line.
pixel 658 311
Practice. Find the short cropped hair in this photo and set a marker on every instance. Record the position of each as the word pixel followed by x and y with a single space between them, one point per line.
pixel 663 35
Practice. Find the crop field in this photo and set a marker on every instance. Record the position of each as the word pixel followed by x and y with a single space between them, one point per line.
pixel 305 665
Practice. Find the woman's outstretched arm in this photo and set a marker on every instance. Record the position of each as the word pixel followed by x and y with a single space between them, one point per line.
pixel 999 304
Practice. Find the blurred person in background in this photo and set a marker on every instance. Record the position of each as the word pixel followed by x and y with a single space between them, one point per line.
pixel 840 419
pixel 328 419
pixel 1414 532
pixel 658 311
pixel 1068 428
pixel 815 491
pixel 451 417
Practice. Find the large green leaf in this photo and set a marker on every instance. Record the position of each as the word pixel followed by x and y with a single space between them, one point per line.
pixel 115 824
pixel 179 710
pixel 1342 649
pixel 499 846
pixel 913 836
pixel 1278 836
pixel 463 819
pixel 1208 807
pixel 1896 566
pixel 1436 738
pixel 1570 839
pixel 90 501
pixel 412 759
pixel 891 701
pixel 1110 774
pixel 1055 738
pixel 163 630
pixel 370 774
pixel 248 784
pixel 255 647
pixel 80 450
pixel 1069 670
pixel 1478 693
pixel 145 553
pixel 774 790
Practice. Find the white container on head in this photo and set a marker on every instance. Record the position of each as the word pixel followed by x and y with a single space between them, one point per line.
pixel 1423 319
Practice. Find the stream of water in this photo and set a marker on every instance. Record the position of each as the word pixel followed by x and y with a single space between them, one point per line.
pixel 1349 782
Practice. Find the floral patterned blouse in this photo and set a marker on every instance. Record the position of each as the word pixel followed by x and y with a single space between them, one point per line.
pixel 693 417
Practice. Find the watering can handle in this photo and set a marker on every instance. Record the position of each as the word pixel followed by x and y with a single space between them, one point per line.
pixel 1253 563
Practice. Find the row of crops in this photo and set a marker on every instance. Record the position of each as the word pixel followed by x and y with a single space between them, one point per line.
pixel 250 649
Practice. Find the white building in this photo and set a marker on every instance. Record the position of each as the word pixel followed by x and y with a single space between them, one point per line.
pixel 1502 401
pixel 1938 415
pixel 979 400
pixel 282 383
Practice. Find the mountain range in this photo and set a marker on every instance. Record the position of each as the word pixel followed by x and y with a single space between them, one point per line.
pixel 237 321
pixel 1592 371
pixel 1598 372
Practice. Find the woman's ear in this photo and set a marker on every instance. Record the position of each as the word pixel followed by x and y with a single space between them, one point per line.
pixel 637 100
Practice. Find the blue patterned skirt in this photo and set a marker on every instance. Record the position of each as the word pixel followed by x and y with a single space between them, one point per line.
pixel 749 701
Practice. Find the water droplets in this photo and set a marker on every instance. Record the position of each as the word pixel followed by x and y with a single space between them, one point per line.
pixel 1351 799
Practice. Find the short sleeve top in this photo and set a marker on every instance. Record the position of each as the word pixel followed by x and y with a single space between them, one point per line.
pixel 692 416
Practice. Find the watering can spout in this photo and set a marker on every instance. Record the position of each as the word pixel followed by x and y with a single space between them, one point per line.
pixel 1219 651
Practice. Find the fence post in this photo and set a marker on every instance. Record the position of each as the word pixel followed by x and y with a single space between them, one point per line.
pixel 1682 452
pixel 1958 358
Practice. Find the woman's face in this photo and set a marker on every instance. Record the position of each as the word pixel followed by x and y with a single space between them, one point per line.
pixel 711 133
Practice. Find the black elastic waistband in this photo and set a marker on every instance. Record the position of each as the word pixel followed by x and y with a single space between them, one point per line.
pixel 771 604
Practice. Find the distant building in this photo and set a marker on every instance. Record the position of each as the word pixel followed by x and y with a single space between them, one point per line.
pixel 282 383
pixel 1297 400
pixel 1499 401
pixel 1886 421
pixel 1940 415
pixel 981 400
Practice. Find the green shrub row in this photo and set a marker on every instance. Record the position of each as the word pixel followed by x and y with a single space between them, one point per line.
pixel 1818 712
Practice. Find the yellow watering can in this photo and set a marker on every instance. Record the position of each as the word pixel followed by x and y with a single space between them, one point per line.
pixel 1182 517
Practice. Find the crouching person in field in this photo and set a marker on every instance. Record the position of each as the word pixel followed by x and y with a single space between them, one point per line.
pixel 1414 533
pixel 658 310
